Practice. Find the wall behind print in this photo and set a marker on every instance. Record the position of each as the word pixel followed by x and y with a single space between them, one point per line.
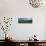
pixel 21 8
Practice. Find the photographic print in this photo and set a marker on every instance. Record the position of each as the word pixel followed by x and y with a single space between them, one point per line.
pixel 24 20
